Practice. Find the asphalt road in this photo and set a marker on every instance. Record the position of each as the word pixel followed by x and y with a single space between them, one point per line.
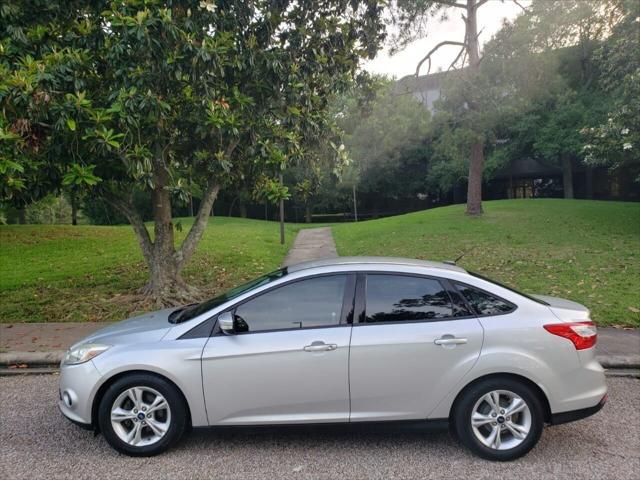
pixel 37 442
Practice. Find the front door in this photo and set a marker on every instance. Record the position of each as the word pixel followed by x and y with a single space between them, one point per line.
pixel 288 361
pixel 413 345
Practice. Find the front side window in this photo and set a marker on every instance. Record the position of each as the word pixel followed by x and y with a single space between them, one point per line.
pixel 398 298
pixel 314 302
pixel 484 303
pixel 192 311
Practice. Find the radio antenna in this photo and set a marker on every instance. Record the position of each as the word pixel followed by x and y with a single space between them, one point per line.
pixel 464 253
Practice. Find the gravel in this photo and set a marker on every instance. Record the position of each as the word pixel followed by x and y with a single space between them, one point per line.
pixel 37 442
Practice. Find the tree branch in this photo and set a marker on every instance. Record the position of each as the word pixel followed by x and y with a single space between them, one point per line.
pixel 125 205
pixel 197 229
pixel 520 5
pixel 183 254
pixel 432 51
pixel 451 3
pixel 462 50
pixel 480 3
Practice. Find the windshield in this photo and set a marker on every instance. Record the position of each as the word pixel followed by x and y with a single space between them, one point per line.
pixel 191 311
pixel 477 275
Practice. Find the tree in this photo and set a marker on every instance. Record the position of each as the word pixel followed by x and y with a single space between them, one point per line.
pixel 411 17
pixel 145 92
pixel 384 137
pixel 557 39
pixel 615 143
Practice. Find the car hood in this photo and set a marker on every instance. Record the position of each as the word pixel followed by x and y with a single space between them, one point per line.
pixel 149 327
pixel 565 310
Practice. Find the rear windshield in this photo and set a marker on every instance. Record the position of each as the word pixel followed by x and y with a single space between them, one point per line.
pixel 192 311
pixel 537 300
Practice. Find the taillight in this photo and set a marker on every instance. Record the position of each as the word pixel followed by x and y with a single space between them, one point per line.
pixel 582 334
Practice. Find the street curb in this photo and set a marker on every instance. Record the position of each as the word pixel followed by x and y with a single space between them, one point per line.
pixel 32 359
pixel 619 361
pixel 53 359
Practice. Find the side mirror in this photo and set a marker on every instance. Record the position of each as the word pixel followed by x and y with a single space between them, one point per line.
pixel 225 320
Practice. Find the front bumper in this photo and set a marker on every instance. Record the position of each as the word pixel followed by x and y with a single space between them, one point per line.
pixel 77 387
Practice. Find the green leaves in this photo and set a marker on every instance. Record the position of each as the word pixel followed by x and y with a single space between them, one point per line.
pixel 71 123
pixel 106 139
pixel 270 189
pixel 80 176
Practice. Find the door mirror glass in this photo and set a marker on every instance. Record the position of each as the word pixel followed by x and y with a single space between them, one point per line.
pixel 225 321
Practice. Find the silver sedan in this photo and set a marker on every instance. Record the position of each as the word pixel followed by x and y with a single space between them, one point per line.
pixel 345 340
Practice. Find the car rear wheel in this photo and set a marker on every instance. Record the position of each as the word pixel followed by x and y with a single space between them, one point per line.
pixel 142 415
pixel 499 419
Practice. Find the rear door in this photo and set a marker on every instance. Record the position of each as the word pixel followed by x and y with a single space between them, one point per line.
pixel 288 361
pixel 414 341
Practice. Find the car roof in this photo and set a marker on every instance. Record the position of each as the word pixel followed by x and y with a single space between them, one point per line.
pixel 372 261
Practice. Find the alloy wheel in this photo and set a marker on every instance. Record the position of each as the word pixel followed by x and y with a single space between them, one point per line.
pixel 501 420
pixel 140 416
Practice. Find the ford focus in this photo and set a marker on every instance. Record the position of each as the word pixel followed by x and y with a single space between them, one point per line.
pixel 347 340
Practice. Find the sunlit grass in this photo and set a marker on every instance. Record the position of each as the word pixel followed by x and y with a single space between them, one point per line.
pixel 87 273
pixel 587 251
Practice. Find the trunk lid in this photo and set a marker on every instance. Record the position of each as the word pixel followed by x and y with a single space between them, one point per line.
pixel 565 310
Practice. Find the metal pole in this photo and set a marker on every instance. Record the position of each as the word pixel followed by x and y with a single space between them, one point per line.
pixel 281 214
pixel 355 204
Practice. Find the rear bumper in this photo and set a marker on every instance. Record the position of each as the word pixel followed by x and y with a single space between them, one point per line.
pixel 573 415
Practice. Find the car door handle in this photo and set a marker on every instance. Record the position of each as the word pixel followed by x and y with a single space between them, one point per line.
pixel 320 347
pixel 450 341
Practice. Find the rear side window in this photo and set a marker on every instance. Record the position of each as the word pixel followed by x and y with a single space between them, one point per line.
pixel 484 303
pixel 399 298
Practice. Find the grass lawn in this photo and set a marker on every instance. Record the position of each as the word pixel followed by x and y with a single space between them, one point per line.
pixel 89 273
pixel 587 251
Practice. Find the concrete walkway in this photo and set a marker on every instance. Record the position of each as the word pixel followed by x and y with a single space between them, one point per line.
pixel 311 244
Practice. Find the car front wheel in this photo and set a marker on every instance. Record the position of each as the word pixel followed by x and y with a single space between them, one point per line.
pixel 142 415
pixel 499 419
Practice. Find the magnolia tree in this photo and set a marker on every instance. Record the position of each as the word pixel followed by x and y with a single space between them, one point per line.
pixel 119 97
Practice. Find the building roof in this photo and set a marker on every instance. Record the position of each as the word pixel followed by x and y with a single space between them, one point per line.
pixel 329 262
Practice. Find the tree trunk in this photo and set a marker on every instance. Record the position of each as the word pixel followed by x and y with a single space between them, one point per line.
pixel 233 204
pixel 243 209
pixel 22 216
pixel 567 177
pixel 476 160
pixel 588 180
pixel 307 213
pixel 74 210
pixel 474 188
pixel 164 281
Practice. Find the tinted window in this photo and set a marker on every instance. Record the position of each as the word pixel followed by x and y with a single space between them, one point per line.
pixel 484 303
pixel 308 303
pixel 396 298
pixel 477 275
pixel 192 311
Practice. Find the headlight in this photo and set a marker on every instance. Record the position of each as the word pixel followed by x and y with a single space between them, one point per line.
pixel 83 353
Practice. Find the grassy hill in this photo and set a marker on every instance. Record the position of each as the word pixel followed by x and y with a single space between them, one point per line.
pixel 588 251
pixel 89 273
pixel 583 250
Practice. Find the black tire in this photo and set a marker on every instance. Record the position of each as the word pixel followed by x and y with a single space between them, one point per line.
pixel 463 409
pixel 177 405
